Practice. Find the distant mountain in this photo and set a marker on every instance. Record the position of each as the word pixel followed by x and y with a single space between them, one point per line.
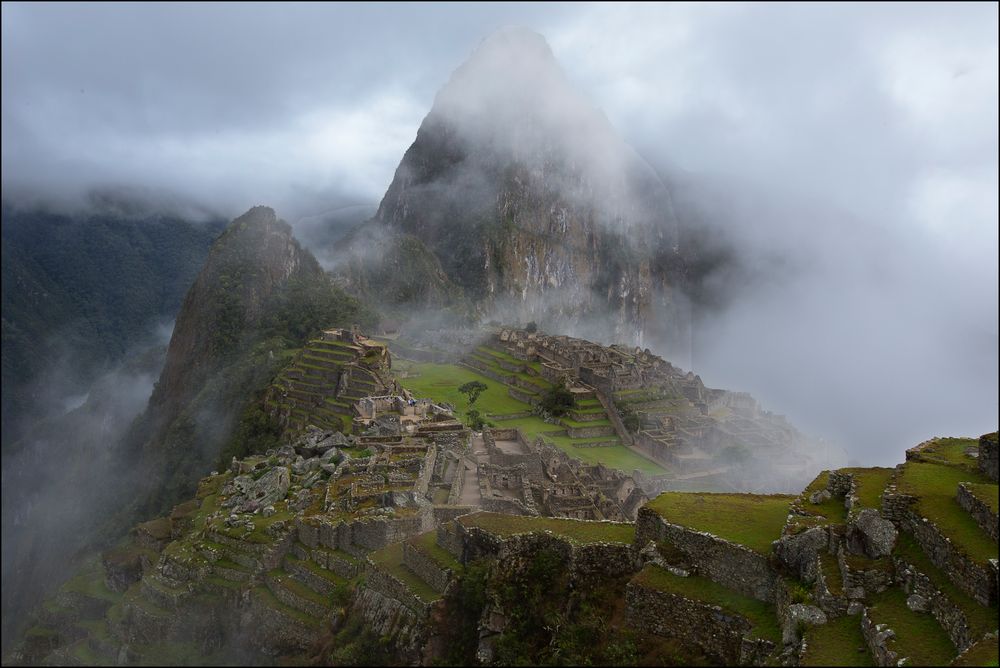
pixel 531 205
pixel 79 292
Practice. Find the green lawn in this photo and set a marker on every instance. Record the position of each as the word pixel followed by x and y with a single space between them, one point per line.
pixel 761 615
pixel 869 484
pixel 833 509
pixel 935 486
pixel 391 559
pixel 752 520
pixel 918 635
pixel 440 382
pixel 950 451
pixel 837 643
pixel 981 619
pixel 577 531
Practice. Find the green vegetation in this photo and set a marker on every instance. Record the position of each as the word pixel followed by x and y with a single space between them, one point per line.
pixel 440 382
pixel 472 389
pixel 918 635
pixel 390 559
pixel 935 487
pixel 752 520
pixel 981 619
pixel 427 543
pixel 869 484
pixel 949 451
pixel 987 493
pixel 761 615
pixel 837 643
pixel 983 653
pixel 576 531
pixel 557 401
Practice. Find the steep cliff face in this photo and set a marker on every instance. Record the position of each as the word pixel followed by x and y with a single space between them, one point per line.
pixel 259 295
pixel 533 205
pixel 253 257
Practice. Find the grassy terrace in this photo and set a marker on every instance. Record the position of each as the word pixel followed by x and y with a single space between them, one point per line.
pixel 950 451
pixel 427 543
pixel 983 653
pixel 761 615
pixel 981 619
pixel 869 483
pixel 837 643
pixel 987 493
pixel 918 636
pixel 831 511
pixel 935 487
pixel 751 520
pixel 576 531
pixel 390 559
pixel 440 382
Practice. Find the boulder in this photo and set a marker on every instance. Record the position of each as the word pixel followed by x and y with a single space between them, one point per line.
pixel 871 534
pixel 799 552
pixel 820 496
pixel 917 603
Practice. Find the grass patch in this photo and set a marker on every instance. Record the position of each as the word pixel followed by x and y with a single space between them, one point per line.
pixel 390 558
pixel 833 509
pixel 869 483
pixel 831 573
pixel 751 520
pixel 935 486
pixel 271 601
pixel 762 615
pixel 286 580
pixel 981 619
pixel 918 635
pixel 440 382
pixel 427 543
pixel 983 653
pixel 91 584
pixel 576 531
pixel 950 451
pixel 987 493
pixel 837 643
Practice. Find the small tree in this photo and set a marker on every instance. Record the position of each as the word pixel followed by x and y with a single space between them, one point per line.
pixel 531 327
pixel 558 401
pixel 475 419
pixel 472 390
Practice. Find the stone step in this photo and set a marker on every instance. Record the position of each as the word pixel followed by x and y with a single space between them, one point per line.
pixel 230 570
pixel 162 594
pixel 313 575
pixel 214 551
pixel 342 563
pixel 295 594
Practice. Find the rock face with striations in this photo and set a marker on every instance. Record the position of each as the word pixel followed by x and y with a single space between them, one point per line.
pixel 531 203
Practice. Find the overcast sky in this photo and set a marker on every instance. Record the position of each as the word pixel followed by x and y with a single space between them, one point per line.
pixel 859 140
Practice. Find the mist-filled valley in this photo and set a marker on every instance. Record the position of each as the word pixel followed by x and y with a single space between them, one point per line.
pixel 422 336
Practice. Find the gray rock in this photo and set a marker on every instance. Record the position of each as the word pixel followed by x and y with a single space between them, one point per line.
pixel 820 496
pixel 917 603
pixel 268 511
pixel 855 608
pixel 331 455
pixel 800 615
pixel 799 551
pixel 872 534
pixel 330 468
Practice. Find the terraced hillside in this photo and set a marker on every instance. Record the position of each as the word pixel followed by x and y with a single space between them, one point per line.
pixel 325 379
pixel 864 567
pixel 513 387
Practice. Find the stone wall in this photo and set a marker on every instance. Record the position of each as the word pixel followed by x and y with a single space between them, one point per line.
pixel 720 634
pixel 728 564
pixel 457 483
pixel 386 584
pixel 616 419
pixel 426 568
pixel 589 432
pixel 389 618
pixel 977 580
pixel 982 513
pixel 988 457
pixel 949 616
pixel 880 641
pixel 840 484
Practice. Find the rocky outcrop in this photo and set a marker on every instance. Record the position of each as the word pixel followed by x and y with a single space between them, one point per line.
pixel 525 198
pixel 871 535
